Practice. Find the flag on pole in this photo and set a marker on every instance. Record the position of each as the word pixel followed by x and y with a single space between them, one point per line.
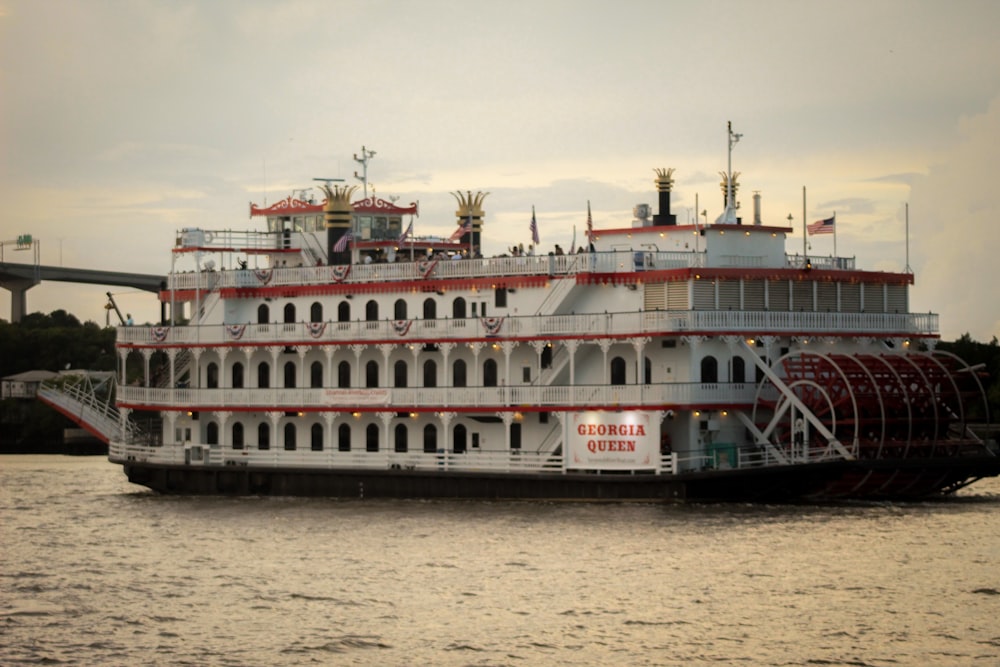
pixel 534 227
pixel 464 229
pixel 407 233
pixel 826 226
pixel 590 224
pixel 341 244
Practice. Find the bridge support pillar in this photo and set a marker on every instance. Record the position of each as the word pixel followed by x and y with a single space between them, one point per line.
pixel 18 288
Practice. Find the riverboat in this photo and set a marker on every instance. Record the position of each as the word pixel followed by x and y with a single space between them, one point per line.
pixel 334 353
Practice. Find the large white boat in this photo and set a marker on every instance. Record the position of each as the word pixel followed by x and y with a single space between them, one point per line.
pixel 334 353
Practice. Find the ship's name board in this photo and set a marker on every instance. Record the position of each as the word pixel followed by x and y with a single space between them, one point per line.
pixel 612 441
pixel 356 397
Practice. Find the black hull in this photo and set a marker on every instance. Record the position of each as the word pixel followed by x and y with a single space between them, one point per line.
pixel 905 479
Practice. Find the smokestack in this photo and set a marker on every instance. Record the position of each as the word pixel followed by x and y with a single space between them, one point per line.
pixel 756 207
pixel 470 207
pixel 664 183
pixel 337 217
pixel 724 183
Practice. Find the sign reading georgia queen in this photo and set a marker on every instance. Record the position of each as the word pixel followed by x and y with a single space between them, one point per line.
pixel 612 441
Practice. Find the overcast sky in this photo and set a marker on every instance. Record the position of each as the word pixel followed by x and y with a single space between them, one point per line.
pixel 123 121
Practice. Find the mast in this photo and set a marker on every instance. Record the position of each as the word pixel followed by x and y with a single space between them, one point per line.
pixel 729 215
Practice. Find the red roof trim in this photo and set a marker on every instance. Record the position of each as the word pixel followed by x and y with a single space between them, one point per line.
pixel 290 206
pixel 691 228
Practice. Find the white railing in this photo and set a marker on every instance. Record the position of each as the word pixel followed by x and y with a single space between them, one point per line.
pixel 79 402
pixel 400 398
pixel 623 325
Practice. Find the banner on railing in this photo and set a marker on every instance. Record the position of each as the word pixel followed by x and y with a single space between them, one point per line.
pixel 492 325
pixel 613 441
pixel 340 272
pixel 316 329
pixel 263 275
pixel 356 397
pixel 160 333
pixel 236 330
pixel 402 327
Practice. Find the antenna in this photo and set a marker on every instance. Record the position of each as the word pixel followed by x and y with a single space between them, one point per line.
pixel 366 155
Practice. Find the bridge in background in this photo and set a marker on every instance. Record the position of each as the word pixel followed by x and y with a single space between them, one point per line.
pixel 19 278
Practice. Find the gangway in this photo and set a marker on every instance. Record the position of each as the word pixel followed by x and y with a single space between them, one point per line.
pixel 76 398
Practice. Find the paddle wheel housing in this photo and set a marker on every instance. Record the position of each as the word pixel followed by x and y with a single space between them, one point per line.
pixel 898 405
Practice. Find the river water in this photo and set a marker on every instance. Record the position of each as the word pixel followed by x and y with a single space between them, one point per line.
pixel 95 571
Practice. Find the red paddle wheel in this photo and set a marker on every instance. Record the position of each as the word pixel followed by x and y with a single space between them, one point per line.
pixel 884 406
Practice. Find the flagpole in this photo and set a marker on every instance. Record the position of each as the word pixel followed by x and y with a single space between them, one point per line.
pixel 908 269
pixel 470 231
pixel 835 234
pixel 804 236
pixel 697 231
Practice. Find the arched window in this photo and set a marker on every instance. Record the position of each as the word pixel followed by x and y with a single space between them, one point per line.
pixel 263 314
pixel 263 375
pixel 371 438
pixel 316 375
pixel 400 438
pixel 344 438
pixel 212 433
pixel 399 374
pixel 264 436
pixel 212 375
pixel 344 374
pixel 430 309
pixel 399 309
pixel 709 369
pixel 316 437
pixel 430 438
pixel 289 375
pixel 458 374
pixel 371 374
pixel 458 308
pixel 237 375
pixel 371 311
pixel 430 373
pixel 290 436
pixel 490 373
pixel 648 371
pixel 316 312
pixel 460 442
pixel 289 313
pixel 238 435
pixel 546 361
pixel 343 312
pixel 739 370
pixel 617 371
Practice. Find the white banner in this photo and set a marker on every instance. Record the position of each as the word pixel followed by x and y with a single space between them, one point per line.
pixel 613 441
pixel 351 397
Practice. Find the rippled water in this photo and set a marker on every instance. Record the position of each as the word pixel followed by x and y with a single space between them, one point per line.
pixel 96 571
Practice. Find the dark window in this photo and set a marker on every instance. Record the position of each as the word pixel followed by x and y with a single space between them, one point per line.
pixel 458 308
pixel 759 375
pixel 238 435
pixel 237 375
pixel 430 438
pixel 371 311
pixel 647 371
pixel 526 374
pixel 399 309
pixel 212 376
pixel 617 371
pixel 739 370
pixel 458 374
pixel 401 435
pixel 316 375
pixel 430 309
pixel 371 438
pixel 344 374
pixel 430 373
pixel 371 374
pixel 212 433
pixel 500 297
pixel 515 436
pixel 316 437
pixel 263 314
pixel 289 375
pixel 263 375
pixel 264 436
pixel 344 312
pixel 344 438
pixel 316 312
pixel 289 313
pixel 709 369
pixel 290 436
pixel 460 443
pixel 399 374
pixel 489 373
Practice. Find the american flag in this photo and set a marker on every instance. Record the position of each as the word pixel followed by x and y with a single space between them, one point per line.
pixel 406 234
pixel 826 226
pixel 534 227
pixel 590 223
pixel 341 244
pixel 464 229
